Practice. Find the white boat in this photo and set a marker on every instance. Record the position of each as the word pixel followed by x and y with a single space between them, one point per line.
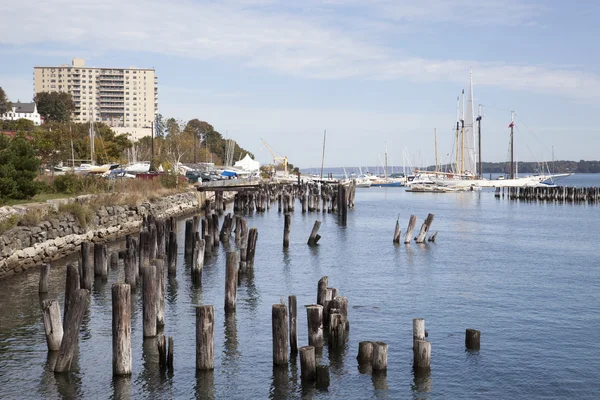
pixel 141 167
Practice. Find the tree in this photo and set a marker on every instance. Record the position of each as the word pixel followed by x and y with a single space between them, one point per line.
pixel 5 105
pixel 18 168
pixel 55 106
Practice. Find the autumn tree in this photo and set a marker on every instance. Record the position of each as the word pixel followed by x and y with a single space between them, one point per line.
pixel 55 106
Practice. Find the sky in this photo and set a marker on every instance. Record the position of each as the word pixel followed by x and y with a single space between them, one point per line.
pixel 374 74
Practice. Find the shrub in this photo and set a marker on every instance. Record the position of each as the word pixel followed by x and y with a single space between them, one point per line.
pixel 8 223
pixel 68 184
pixel 32 217
pixel 82 212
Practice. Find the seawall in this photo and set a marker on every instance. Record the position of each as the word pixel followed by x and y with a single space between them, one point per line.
pixel 60 234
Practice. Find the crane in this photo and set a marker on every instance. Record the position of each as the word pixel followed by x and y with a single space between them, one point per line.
pixel 276 158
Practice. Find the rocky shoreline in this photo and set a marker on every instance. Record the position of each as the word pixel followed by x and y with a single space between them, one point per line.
pixel 60 235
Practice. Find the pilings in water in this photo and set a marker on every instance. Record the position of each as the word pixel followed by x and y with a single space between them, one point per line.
pixel 72 324
pixel 149 297
pixel 205 331
pixel 231 280
pixel 43 283
pixel 279 321
pixel 557 194
pixel 121 329
pixel 52 324
pixel 472 339
pixel 424 228
pixel 293 328
pixel 86 269
pixel 314 237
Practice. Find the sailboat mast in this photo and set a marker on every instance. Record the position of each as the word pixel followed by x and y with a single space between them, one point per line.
pixel 323 156
pixel 462 136
pixel 457 128
pixel 512 145
pixel 386 165
pixel 480 168
pixel 436 153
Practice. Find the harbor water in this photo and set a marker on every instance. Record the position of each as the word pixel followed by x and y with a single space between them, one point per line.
pixel 525 274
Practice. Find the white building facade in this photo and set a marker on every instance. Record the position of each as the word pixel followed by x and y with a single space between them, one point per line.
pixel 23 111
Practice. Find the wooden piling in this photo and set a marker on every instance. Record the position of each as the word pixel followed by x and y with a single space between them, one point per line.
pixel 172 254
pixel 198 258
pixel 72 285
pixel 189 237
pixel 472 339
pixel 170 354
pixel 279 320
pixel 71 331
pixel 121 329
pixel 86 269
pixel 380 356
pixel 336 329
pixel 365 353
pixel 251 249
pixel 114 260
pixel 215 229
pixel 160 237
pixel 44 273
pixel 424 228
pixel 52 324
pixel 292 305
pixel 422 354
pixel 314 237
pixel 397 232
pixel 231 280
pixel 100 260
pixel 286 230
pixel 308 364
pixel 129 267
pixel 161 344
pixel 159 263
pixel 208 245
pixel 205 345
pixel 411 227
pixel 144 249
pixel 322 377
pixel 418 329
pixel 149 300
pixel 322 289
pixel 153 241
pixel 314 315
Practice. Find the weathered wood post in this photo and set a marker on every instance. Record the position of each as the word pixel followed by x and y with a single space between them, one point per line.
pixel 279 320
pixel 215 229
pixel 198 258
pixel 71 335
pixel 100 260
pixel 72 285
pixel 472 339
pixel 424 229
pixel 161 343
pixel 121 329
pixel 160 291
pixel 170 352
pixel 189 237
pixel 144 249
pixel 336 329
pixel 243 250
pixel 397 232
pixel 129 267
pixel 314 234
pixel 322 377
pixel 322 290
pixel 205 345
pixel 422 354
pixel 411 227
pixel 44 272
pixel 153 243
pixel 341 304
pixel 286 230
pixel 380 356
pixel 149 300
pixel 292 304
pixel 114 260
pixel 251 249
pixel 86 269
pixel 231 280
pixel 314 314
pixel 172 254
pixel 208 245
pixel 160 237
pixel 308 364
pixel 52 324
pixel 365 353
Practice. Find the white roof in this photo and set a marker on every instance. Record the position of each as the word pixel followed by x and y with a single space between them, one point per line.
pixel 248 164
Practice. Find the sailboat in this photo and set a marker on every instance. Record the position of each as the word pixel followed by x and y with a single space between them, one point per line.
pixel 385 181
pixel 92 168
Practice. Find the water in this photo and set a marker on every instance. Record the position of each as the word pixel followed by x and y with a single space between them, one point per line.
pixel 525 274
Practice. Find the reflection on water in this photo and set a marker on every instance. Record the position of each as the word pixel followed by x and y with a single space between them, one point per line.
pixel 121 387
pixel 205 385
pixel 279 383
pixel 231 354
pixel 422 385
pixel 379 379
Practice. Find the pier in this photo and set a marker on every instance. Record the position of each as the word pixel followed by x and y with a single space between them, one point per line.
pixel 560 194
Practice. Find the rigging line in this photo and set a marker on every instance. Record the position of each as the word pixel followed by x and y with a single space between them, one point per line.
pixel 533 133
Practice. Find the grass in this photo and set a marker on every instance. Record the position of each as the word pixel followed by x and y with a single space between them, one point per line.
pixel 83 213
pixel 38 198
pixel 8 223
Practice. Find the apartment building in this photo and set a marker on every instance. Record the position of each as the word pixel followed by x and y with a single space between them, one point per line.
pixel 124 98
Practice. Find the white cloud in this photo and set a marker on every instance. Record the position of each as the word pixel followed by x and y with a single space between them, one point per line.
pixel 307 39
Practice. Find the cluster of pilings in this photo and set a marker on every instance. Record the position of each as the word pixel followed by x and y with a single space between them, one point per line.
pixel 314 197
pixel 559 194
pixel 412 222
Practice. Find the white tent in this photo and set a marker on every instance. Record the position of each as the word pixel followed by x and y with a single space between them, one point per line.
pixel 247 164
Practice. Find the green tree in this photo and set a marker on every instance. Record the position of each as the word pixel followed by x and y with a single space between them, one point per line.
pixel 55 106
pixel 18 168
pixel 5 105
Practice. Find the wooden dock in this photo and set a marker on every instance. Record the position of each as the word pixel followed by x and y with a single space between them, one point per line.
pixel 558 194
